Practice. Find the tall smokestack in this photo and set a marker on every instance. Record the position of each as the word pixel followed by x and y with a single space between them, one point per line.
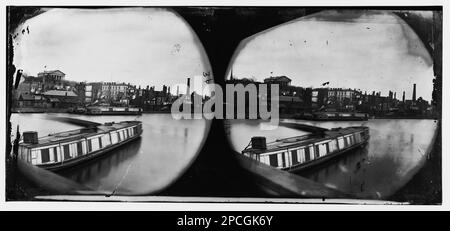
pixel 403 100
pixel 188 86
pixel 414 93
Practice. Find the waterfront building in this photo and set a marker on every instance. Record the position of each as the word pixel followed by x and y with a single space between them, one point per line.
pixel 88 94
pixel 61 98
pixel 52 79
pixel 151 100
pixel 30 101
pixel 282 81
pixel 319 98
pixel 341 94
pixel 93 92
pixel 107 92
pixel 115 92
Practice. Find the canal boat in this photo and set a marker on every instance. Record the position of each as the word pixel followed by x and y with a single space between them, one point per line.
pixel 300 152
pixel 109 110
pixel 340 116
pixel 65 149
pixel 334 116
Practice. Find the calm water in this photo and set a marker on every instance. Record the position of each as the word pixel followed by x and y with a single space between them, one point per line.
pixel 151 163
pixel 395 152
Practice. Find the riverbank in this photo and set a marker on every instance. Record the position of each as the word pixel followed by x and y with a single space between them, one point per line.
pixel 405 117
pixel 156 112
pixel 292 116
pixel 39 110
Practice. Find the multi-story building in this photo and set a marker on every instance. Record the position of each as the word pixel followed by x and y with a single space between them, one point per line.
pixel 88 94
pixel 52 79
pixel 151 100
pixel 93 92
pixel 107 92
pixel 115 92
pixel 282 81
pixel 341 95
pixel 336 98
pixel 319 97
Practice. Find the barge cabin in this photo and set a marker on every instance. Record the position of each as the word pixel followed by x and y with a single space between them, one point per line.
pixel 65 149
pixel 301 152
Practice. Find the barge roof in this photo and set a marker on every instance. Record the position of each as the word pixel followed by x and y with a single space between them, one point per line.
pixel 298 141
pixel 76 134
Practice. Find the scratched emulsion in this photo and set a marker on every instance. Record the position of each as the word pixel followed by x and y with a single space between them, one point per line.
pixel 395 152
pixel 166 148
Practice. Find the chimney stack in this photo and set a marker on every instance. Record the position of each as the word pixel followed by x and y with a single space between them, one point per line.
pixel 403 100
pixel 188 86
pixel 414 93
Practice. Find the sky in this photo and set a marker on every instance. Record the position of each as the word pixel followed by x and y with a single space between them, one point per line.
pixel 364 50
pixel 149 46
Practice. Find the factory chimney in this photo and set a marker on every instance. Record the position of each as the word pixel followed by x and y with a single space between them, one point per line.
pixel 414 93
pixel 188 93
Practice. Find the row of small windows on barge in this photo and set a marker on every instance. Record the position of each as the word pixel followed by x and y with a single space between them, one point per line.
pixel 63 151
pixel 298 155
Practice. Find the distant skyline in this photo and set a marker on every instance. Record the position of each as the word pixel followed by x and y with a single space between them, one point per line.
pixel 366 50
pixel 151 46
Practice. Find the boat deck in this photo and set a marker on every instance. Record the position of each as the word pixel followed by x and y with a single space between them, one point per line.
pixel 307 139
pixel 80 133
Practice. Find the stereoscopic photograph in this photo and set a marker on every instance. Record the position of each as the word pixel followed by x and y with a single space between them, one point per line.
pixel 311 105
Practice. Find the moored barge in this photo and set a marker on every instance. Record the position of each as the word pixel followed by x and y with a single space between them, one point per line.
pixel 300 152
pixel 334 116
pixel 340 116
pixel 65 149
pixel 101 110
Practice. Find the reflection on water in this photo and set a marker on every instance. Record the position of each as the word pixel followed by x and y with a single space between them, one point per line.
pixel 107 168
pixel 395 152
pixel 148 164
